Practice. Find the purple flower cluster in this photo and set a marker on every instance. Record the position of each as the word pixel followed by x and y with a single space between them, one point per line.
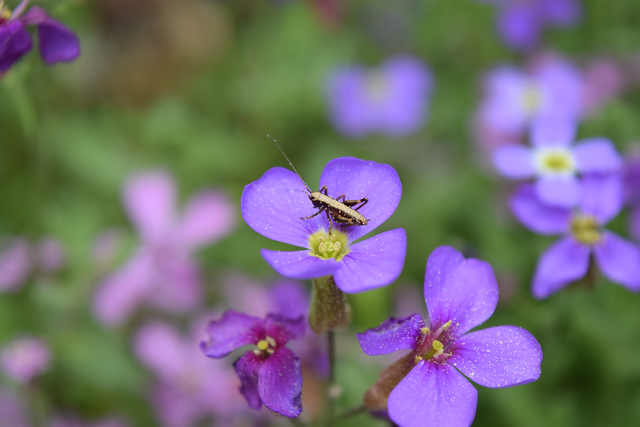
pixel 24 359
pixel 162 272
pixel 391 99
pixel 57 42
pixel 276 204
pixel 520 22
pixel 460 295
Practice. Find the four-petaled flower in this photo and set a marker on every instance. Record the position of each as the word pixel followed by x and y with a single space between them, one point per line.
pixel 568 259
pixel 555 163
pixel 276 204
pixel 162 271
pixel 271 373
pixel 460 294
pixel 391 99
pixel 57 42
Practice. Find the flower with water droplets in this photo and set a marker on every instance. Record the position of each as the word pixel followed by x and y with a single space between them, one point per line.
pixel 278 206
pixel 568 259
pixel 270 373
pixel 428 386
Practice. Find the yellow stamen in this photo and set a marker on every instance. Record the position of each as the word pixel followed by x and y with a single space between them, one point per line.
pixel 418 358
pixel 263 345
pixel 329 245
pixel 585 229
pixel 555 160
pixel 271 341
pixel 446 326
pixel 435 350
pixel 425 330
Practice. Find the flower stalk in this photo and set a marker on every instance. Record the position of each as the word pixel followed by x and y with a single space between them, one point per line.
pixel 329 307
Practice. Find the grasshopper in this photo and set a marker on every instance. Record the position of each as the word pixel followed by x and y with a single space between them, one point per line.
pixel 343 212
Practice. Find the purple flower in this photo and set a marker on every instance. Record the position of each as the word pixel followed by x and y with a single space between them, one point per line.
pixel 57 42
pixel 190 387
pixel 24 359
pixel 274 205
pixel 162 272
pixel 270 374
pixel 391 99
pixel 632 192
pixel 15 265
pixel 520 22
pixel 568 259
pixel 555 163
pixel 514 99
pixel 460 294
pixel 68 421
pixel 12 412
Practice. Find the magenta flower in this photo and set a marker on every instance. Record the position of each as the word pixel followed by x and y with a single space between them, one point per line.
pixel 555 163
pixel 57 42
pixel 190 387
pixel 23 359
pixel 270 373
pixel 274 205
pixel 520 22
pixel 162 272
pixel 460 294
pixel 568 259
pixel 514 99
pixel 391 99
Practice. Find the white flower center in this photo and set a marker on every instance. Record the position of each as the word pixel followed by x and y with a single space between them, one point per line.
pixel 555 161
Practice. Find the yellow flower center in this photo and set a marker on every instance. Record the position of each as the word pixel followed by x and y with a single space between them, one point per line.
pixel 329 245
pixel 555 160
pixel 585 229
pixel 266 347
pixel 377 86
pixel 5 13
pixel 531 99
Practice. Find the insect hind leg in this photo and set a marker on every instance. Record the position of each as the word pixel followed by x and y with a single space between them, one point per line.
pixel 311 216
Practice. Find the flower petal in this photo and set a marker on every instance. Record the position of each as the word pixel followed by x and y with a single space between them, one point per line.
pixel 597 155
pixel 619 260
pixel 356 179
pixel 208 216
pixel 283 328
pixel 602 196
pixel 537 216
pixel 553 133
pixel 15 42
pixel 634 223
pixel 149 199
pixel 373 263
pixel 564 262
pixel 392 335
pixel 14 265
pixel 121 292
pixel 433 394
pixel 299 264
pixel 514 161
pixel 461 290
pixel 160 348
pixel 57 42
pixel 274 205
pixel 519 25
pixel 280 383
pixel 232 331
pixel 289 298
pixel 179 286
pixel 563 191
pixel 498 357
pixel 248 368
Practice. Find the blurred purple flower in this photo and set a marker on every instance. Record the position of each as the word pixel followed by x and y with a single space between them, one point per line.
pixel 275 204
pixel 555 163
pixel 568 259
pixel 271 373
pixel 12 412
pixel 49 255
pixel 24 359
pixel 391 99
pixel 632 192
pixel 514 99
pixel 14 265
pixel 67 421
pixel 460 295
pixel 520 22
pixel 162 272
pixel 191 387
pixel 57 42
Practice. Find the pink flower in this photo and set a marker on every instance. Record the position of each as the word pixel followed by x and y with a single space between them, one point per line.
pixel 162 271
pixel 24 359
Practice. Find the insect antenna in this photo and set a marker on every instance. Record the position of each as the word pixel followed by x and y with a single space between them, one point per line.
pixel 291 164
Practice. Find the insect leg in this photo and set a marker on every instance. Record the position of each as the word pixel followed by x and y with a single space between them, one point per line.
pixel 341 197
pixel 352 203
pixel 330 221
pixel 364 202
pixel 324 188
pixel 311 216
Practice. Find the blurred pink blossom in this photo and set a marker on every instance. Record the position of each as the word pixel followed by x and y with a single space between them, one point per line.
pixel 162 272
pixel 19 259
pixel 24 359
pixel 11 411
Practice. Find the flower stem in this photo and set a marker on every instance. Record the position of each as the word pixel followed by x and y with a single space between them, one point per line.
pixel 329 307
pixel 331 348
pixel 353 412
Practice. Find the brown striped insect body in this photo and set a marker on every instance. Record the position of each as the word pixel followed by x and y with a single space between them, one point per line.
pixel 343 212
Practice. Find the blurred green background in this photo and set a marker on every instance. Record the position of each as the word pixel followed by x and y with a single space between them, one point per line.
pixel 194 87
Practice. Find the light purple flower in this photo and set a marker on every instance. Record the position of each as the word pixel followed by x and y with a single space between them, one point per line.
pixel 514 98
pixel 391 99
pixel 520 22
pixel 190 386
pixel 24 359
pixel 162 272
pixel 460 295
pixel 12 412
pixel 568 259
pixel 15 265
pixel 274 205
pixel 632 192
pixel 555 163
pixel 271 373
pixel 57 42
